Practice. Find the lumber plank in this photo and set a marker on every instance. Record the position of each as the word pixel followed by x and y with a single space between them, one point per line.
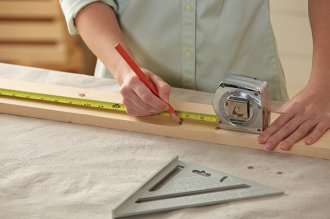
pixel 158 125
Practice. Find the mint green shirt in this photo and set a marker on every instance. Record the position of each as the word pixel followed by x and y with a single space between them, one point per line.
pixel 194 44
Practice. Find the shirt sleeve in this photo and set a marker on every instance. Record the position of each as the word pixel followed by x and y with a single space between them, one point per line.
pixel 71 8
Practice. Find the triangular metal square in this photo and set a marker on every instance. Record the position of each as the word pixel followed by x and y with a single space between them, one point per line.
pixel 180 185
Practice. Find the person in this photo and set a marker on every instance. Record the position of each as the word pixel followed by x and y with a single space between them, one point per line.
pixel 194 44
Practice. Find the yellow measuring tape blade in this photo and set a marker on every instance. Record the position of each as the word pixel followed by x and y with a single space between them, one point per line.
pixel 94 104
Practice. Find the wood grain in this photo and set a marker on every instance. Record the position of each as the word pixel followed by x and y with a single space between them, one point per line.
pixel 158 125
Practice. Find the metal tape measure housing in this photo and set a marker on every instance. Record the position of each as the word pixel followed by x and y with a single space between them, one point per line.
pixel 242 104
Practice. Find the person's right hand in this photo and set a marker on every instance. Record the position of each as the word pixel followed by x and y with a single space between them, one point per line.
pixel 138 98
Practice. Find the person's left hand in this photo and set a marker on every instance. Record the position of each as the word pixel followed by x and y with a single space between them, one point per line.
pixel 307 115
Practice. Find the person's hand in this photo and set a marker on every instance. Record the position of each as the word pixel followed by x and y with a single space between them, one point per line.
pixel 307 115
pixel 137 97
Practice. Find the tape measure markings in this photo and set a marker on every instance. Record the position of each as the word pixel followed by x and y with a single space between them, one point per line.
pixel 62 99
pixel 95 104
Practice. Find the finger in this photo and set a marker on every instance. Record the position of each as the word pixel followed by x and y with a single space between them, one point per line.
pixel 317 132
pixel 132 90
pixel 145 109
pixel 134 105
pixel 135 111
pixel 135 108
pixel 153 102
pixel 163 88
pixel 283 132
pixel 131 104
pixel 275 126
pixel 298 134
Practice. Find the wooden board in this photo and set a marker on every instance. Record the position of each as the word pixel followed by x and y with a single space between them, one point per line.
pixel 159 125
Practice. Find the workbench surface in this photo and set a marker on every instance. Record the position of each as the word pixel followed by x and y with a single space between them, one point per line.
pixel 51 169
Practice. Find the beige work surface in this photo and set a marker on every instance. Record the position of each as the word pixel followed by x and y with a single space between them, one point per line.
pixel 51 169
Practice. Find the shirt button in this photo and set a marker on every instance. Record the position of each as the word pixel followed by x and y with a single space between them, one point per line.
pixel 188 53
pixel 189 7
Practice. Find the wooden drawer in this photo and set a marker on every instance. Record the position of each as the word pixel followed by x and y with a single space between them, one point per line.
pixel 29 9
pixel 33 32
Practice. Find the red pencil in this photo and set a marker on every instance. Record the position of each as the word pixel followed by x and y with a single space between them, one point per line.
pixel 144 79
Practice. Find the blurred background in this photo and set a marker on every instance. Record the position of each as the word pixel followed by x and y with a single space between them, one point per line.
pixel 33 33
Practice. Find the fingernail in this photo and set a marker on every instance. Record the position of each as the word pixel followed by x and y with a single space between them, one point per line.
pixel 268 147
pixel 261 140
pixel 308 141
pixel 284 146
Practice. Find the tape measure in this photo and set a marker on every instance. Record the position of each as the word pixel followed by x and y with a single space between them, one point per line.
pixel 95 104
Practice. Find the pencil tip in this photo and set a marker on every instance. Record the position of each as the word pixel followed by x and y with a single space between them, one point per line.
pixel 176 117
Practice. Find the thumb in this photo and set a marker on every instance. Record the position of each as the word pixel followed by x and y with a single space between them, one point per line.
pixel 163 88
